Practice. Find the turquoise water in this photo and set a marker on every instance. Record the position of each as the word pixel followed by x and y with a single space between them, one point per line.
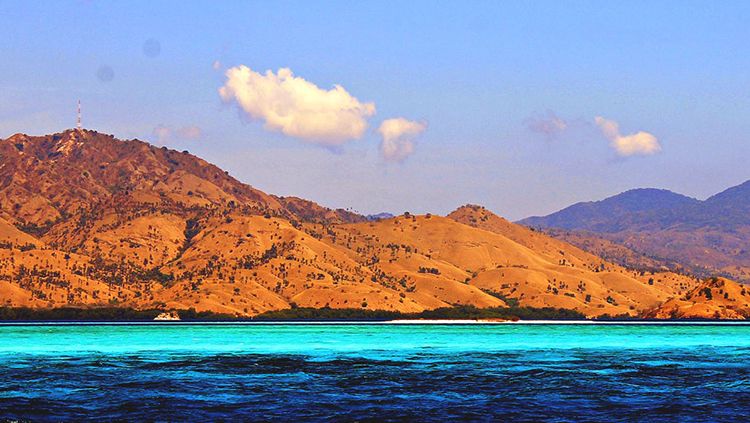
pixel 375 372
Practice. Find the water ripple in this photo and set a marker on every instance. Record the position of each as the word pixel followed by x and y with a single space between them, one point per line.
pixel 706 383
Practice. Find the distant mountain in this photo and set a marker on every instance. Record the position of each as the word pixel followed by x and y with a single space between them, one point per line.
pixel 713 234
pixel 379 216
pixel 631 208
pixel 738 196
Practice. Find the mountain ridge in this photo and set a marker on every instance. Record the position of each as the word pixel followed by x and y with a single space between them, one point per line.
pixel 711 234
pixel 103 166
pixel 607 215
pixel 87 220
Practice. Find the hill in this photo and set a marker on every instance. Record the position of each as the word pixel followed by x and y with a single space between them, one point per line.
pixel 87 220
pixel 669 229
pixel 715 298
pixel 47 179
pixel 634 208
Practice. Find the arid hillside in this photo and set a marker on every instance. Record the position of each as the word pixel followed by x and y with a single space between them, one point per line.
pixel 87 220
pixel 715 298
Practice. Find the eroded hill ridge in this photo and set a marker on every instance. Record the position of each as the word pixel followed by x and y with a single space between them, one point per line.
pixel 88 220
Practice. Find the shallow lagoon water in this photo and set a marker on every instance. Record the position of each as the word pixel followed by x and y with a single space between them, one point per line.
pixel 375 372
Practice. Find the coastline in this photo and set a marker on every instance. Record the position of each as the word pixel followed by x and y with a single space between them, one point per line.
pixel 397 322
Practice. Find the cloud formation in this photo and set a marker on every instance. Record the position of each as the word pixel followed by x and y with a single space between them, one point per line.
pixel 398 136
pixel 548 124
pixel 164 134
pixel 296 107
pixel 640 143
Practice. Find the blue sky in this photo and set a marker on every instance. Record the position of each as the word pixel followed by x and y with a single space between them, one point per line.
pixel 483 81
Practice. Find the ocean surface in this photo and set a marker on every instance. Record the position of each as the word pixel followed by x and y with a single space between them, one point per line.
pixel 375 372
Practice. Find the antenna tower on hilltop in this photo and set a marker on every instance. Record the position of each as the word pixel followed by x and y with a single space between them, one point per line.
pixel 78 122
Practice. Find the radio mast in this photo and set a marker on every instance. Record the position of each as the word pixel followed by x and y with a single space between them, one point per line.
pixel 78 122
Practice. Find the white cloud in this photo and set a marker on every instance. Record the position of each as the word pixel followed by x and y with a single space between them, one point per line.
pixel 640 143
pixel 296 107
pixel 165 134
pixel 398 137
pixel 548 124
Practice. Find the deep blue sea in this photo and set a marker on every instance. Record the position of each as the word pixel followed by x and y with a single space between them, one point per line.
pixel 375 372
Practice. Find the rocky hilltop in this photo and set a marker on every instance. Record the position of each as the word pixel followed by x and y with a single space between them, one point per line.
pixel 87 220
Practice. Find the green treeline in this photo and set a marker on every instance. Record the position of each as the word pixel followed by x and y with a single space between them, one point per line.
pixel 98 314
pixel 458 312
pixel 129 314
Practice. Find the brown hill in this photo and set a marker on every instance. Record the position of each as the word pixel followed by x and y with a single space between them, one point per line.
pixel 716 298
pixel 552 249
pixel 609 288
pixel 48 178
pixel 88 220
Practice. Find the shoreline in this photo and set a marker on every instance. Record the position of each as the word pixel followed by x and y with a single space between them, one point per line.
pixel 395 322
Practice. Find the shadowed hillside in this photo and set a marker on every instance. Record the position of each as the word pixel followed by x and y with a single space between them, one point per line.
pixel 636 208
pixel 669 229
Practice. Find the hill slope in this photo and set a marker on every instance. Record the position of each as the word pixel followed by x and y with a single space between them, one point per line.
pixel 44 179
pixel 715 298
pixel 87 220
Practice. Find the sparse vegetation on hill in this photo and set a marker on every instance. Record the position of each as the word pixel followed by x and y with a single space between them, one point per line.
pixel 130 226
pixel 714 298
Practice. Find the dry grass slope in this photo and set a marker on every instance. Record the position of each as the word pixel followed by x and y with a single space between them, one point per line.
pixel 123 223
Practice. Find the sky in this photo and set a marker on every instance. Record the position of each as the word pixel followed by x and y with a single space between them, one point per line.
pixel 524 107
